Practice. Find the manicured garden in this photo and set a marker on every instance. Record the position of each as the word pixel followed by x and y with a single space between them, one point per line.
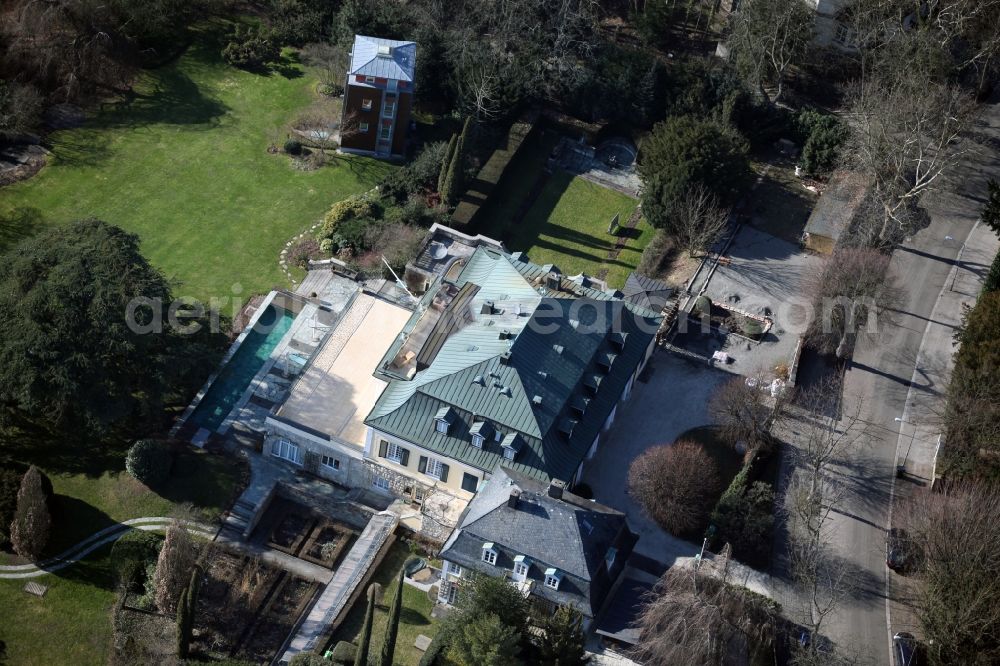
pixel 415 618
pixel 183 162
pixel 77 607
pixel 568 226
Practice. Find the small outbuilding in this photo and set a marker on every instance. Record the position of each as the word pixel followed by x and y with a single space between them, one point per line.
pixel 835 211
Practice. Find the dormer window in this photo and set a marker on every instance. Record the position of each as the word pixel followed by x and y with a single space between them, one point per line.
pixel 511 444
pixel 489 553
pixel 521 567
pixel 443 420
pixel 480 431
pixel 552 578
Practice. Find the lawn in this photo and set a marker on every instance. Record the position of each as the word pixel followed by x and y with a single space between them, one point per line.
pixel 76 608
pixel 567 225
pixel 415 618
pixel 183 163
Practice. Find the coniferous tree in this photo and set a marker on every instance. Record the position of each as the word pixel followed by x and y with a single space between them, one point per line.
pixel 564 643
pixel 462 154
pixel 991 211
pixel 392 627
pixel 364 642
pixel 450 192
pixel 183 623
pixel 172 568
pixel 446 163
pixel 29 531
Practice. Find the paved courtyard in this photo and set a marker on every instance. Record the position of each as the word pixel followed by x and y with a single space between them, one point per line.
pixel 673 399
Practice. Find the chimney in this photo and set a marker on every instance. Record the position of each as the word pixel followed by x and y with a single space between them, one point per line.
pixel 515 494
pixel 556 488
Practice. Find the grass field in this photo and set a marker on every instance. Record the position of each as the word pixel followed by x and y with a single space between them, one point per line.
pixel 567 225
pixel 415 618
pixel 72 623
pixel 183 164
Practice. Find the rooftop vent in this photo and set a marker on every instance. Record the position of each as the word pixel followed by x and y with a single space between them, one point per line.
pixel 537 401
pixel 558 349
pixel 515 494
pixel 505 358
pixel 506 334
pixel 479 380
pixel 543 374
pixel 556 488
pixel 552 281
pixel 488 308
pixel 505 391
pixel 384 51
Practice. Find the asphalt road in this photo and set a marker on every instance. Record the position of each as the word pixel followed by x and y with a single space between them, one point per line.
pixel 880 377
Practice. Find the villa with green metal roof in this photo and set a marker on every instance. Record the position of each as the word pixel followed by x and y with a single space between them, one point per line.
pixel 511 365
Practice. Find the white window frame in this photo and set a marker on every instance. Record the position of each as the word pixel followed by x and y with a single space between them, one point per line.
pixel 387 132
pixel 478 441
pixel 521 570
pixel 552 580
pixel 442 426
pixel 490 556
pixel 394 452
pixel 284 449
pixel 381 483
pixel 363 128
pixel 330 462
pixel 509 453
pixel 389 109
pixel 437 466
pixel 366 105
pixel 454 570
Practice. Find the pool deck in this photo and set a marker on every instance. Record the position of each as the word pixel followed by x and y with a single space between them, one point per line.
pixel 338 390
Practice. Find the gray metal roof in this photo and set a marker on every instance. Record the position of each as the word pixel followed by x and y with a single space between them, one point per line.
pixel 383 58
pixel 646 292
pixel 572 535
pixel 838 205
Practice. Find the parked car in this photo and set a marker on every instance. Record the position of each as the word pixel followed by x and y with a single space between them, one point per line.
pixel 904 650
pixel 897 550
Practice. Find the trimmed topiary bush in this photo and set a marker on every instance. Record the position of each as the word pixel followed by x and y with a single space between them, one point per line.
pixel 29 530
pixel 752 328
pixel 149 461
pixel 132 554
pixel 344 653
pixel 702 306
pixel 350 208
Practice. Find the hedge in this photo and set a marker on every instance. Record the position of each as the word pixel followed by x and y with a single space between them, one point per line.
pixel 489 176
pixel 132 553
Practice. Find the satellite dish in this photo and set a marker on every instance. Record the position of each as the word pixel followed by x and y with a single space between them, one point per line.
pixel 438 251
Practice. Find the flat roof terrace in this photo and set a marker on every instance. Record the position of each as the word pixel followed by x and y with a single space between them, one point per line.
pixel 338 390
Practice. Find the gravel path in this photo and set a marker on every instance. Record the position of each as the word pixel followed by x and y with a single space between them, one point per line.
pixel 95 541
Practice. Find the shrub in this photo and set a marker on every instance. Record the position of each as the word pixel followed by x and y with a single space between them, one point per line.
pixel 675 485
pixel 149 461
pixel 439 646
pixel 752 328
pixel 303 250
pixel 131 554
pixel 344 653
pixel 250 48
pixel 702 306
pixel 744 516
pixel 347 209
pixel 29 530
pixel 313 659
pixel 10 483
pixel 417 177
pixel 821 136
pixel 293 147
pixel 654 255
pixel 992 282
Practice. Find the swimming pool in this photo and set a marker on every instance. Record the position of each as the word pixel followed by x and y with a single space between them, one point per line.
pixel 233 380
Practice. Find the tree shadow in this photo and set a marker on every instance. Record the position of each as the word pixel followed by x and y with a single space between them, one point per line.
pixel 73 520
pixel 19 223
pixel 412 617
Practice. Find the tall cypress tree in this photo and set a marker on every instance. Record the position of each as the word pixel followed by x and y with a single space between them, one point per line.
pixel 564 643
pixel 392 628
pixel 183 623
pixel 446 163
pixel 361 657
pixel 449 193
pixel 29 531
pixel 461 154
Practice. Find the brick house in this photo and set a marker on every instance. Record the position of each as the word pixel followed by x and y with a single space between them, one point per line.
pixel 378 97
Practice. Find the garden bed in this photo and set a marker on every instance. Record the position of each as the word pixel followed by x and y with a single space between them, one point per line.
pixel 301 532
pixel 246 609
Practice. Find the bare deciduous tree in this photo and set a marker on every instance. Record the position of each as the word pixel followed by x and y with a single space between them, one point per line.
pixel 699 220
pixel 905 129
pixel 330 62
pixel 850 294
pixel 957 536
pixel 745 410
pixel 766 38
pixel 675 485
pixel 695 618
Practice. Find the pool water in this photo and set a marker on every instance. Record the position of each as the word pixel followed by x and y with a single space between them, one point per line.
pixel 236 376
